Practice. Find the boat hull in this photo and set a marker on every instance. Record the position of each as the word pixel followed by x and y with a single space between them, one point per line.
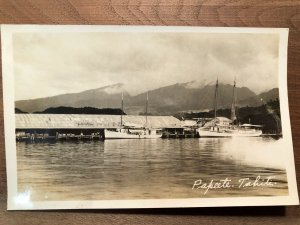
pixel 238 133
pixel 124 135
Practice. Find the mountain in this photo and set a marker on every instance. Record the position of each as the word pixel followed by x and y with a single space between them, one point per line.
pixel 162 101
pixel 269 95
pixel 262 98
pixel 183 97
pixel 105 97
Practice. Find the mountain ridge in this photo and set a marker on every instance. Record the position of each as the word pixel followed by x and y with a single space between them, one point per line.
pixel 162 101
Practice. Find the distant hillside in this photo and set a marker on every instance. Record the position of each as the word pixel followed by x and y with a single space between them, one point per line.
pixel 18 111
pixel 270 95
pixel 182 97
pixel 162 101
pixel 262 98
pixel 105 97
pixel 84 110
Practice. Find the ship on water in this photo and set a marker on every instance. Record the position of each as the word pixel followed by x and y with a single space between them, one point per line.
pixel 225 127
pixel 133 131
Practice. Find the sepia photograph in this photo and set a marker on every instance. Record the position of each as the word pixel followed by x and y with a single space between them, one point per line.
pixel 146 117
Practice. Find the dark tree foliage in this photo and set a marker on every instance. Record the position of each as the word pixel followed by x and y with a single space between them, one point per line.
pixel 19 111
pixel 84 110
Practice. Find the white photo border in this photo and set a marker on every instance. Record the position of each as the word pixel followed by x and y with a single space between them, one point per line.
pixel 16 202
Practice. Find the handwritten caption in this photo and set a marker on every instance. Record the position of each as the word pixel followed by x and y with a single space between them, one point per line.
pixel 228 183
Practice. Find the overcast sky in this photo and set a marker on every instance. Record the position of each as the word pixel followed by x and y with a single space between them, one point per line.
pixel 47 64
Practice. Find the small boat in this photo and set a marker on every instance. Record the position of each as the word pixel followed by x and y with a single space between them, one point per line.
pixel 224 127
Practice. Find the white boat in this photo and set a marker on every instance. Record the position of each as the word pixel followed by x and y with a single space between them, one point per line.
pixel 224 127
pixel 133 131
pixel 238 133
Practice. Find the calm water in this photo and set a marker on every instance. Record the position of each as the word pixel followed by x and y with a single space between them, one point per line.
pixel 141 169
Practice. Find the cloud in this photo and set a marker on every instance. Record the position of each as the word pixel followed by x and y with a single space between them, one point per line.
pixel 47 64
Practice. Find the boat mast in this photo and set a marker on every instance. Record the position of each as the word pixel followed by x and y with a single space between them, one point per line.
pixel 216 98
pixel 122 110
pixel 233 105
pixel 147 109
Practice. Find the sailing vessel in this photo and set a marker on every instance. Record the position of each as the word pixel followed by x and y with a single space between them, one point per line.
pixel 224 127
pixel 133 131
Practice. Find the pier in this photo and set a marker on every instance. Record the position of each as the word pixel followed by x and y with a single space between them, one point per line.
pixel 80 127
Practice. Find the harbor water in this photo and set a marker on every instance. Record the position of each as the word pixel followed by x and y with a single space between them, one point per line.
pixel 150 168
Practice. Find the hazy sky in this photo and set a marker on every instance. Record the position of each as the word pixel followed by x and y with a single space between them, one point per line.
pixel 47 64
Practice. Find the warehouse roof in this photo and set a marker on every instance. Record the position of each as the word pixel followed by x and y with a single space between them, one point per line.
pixel 73 121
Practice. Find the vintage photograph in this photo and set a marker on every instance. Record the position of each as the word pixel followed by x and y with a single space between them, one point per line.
pixel 122 117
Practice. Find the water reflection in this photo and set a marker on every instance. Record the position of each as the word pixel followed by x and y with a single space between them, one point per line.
pixel 139 169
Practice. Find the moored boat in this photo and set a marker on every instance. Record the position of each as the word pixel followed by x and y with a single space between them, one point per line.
pixel 224 127
pixel 133 131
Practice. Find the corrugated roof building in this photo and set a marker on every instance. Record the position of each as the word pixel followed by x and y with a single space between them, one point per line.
pixel 82 121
